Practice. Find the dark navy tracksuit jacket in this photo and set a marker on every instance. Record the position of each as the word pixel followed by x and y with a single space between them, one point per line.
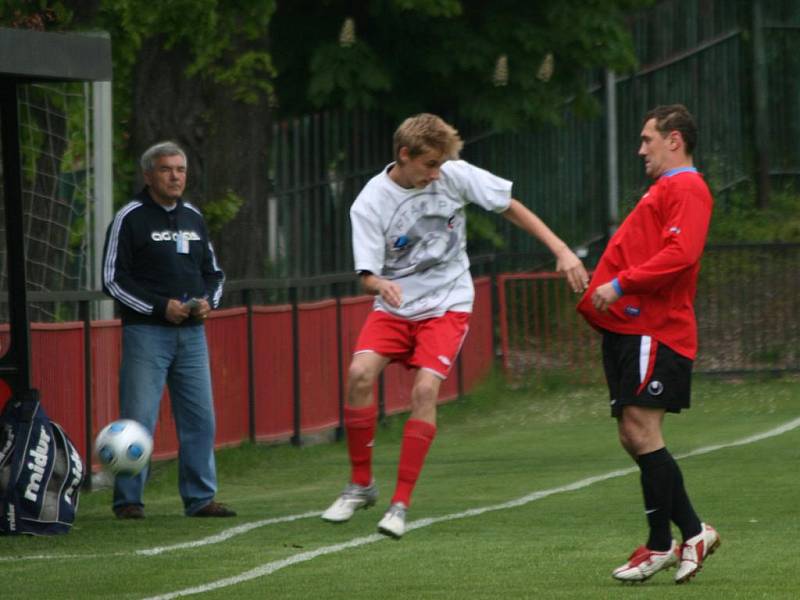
pixel 143 268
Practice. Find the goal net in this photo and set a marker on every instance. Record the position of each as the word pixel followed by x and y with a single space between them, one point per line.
pixel 58 196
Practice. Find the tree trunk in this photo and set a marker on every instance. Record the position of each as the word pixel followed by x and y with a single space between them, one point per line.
pixel 226 142
pixel 237 155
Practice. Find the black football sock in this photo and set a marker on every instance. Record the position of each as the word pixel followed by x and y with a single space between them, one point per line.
pixel 657 479
pixel 682 511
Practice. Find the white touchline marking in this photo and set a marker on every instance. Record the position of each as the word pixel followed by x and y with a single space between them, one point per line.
pixel 271 567
pixel 59 556
pixel 226 534
pixel 214 539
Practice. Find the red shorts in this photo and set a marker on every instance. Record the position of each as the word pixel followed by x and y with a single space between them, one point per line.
pixel 431 344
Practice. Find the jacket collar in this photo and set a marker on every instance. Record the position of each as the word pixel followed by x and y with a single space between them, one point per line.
pixel 145 197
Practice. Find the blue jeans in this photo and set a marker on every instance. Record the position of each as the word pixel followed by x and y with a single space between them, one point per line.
pixel 153 355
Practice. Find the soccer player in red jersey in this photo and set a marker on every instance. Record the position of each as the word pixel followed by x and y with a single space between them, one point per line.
pixel 409 246
pixel 641 298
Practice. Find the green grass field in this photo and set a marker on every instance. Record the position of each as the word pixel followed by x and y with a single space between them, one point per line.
pixel 494 447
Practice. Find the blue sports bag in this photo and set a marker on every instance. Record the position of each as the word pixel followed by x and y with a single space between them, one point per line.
pixel 40 470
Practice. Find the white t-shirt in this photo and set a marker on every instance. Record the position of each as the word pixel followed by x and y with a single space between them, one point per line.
pixel 418 237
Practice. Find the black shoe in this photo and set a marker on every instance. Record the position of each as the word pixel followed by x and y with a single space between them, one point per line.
pixel 214 509
pixel 129 511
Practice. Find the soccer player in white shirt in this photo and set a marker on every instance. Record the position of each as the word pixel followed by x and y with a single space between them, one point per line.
pixel 409 247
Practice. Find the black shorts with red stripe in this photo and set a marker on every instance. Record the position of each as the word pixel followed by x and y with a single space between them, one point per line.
pixel 643 372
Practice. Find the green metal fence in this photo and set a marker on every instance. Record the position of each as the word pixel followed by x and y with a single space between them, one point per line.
pixel 320 163
pixel 722 58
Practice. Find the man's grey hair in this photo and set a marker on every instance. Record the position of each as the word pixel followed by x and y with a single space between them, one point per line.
pixel 156 151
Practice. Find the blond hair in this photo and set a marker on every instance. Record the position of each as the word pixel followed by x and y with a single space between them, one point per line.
pixel 424 132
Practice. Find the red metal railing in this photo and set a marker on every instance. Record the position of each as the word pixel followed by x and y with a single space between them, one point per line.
pixel 540 329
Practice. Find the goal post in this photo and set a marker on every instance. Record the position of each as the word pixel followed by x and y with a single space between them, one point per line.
pixel 30 58
pixel 103 146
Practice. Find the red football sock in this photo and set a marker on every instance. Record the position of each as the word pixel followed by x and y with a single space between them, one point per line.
pixel 359 423
pixel 417 438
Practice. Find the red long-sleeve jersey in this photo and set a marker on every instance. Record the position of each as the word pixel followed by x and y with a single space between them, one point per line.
pixel 655 257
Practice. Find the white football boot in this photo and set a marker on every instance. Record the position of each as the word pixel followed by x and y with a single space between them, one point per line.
pixel 393 522
pixel 352 498
pixel 694 551
pixel 644 563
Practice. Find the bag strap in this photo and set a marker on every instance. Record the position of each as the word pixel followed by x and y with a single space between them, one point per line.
pixel 25 403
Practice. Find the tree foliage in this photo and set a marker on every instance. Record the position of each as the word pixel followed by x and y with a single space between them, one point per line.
pixel 406 56
pixel 214 74
pixel 224 44
pixel 475 59
pixel 216 34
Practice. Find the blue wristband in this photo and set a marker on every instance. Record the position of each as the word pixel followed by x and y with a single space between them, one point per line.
pixel 617 287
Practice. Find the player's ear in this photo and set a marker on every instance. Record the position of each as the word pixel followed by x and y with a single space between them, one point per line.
pixel 675 140
pixel 403 155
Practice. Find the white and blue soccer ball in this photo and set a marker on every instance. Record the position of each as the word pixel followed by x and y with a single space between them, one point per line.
pixel 123 447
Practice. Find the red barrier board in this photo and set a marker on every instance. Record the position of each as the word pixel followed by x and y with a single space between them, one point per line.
pixel 476 355
pixel 324 353
pixel 319 374
pixel 226 332
pixel 106 355
pixel 273 372
pixel 57 372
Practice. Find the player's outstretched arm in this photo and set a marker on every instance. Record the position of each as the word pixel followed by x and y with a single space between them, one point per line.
pixel 566 260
